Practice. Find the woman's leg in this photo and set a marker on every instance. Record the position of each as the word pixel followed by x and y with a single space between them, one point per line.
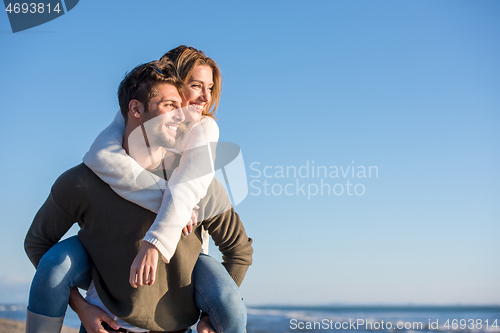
pixel 218 295
pixel 65 266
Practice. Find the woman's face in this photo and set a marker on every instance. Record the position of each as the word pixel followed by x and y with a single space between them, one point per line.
pixel 197 94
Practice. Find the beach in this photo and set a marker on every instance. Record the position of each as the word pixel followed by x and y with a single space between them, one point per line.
pixel 18 326
pixel 338 319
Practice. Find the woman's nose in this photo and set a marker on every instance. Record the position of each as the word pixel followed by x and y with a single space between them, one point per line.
pixel 205 95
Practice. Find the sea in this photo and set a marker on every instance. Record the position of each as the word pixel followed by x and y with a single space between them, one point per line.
pixel 355 319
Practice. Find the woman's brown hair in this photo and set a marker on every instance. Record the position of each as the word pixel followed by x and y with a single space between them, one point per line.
pixel 185 59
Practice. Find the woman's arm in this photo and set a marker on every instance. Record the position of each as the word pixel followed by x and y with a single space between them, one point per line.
pixel 110 162
pixel 187 185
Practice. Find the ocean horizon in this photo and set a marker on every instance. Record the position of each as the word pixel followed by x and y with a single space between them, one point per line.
pixel 336 317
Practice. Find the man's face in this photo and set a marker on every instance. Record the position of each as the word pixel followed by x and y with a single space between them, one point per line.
pixel 163 116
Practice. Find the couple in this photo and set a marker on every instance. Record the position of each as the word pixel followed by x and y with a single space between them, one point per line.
pixel 114 196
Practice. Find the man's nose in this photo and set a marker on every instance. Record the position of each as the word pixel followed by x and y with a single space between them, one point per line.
pixel 179 115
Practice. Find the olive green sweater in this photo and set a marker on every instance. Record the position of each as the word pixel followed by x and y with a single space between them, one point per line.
pixel 112 230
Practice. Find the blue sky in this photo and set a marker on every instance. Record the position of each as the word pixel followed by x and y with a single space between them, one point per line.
pixel 409 87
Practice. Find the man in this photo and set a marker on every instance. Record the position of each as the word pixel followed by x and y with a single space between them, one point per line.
pixel 112 228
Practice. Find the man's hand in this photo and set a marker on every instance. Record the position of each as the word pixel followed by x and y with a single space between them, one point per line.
pixel 90 315
pixel 204 326
pixel 143 269
pixel 194 221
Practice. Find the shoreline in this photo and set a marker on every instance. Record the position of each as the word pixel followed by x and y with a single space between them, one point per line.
pixel 19 326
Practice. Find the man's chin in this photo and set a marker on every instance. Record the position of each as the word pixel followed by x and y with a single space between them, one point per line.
pixel 168 143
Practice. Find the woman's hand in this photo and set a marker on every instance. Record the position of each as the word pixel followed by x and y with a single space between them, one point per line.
pixel 90 315
pixel 194 221
pixel 143 269
pixel 204 326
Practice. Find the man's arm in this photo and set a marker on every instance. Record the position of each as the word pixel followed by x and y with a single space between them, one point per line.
pixel 227 231
pixel 49 225
pixel 229 235
pixel 59 212
pixel 64 206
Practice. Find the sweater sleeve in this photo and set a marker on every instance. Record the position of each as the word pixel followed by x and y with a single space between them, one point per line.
pixel 60 211
pixel 227 231
pixel 187 185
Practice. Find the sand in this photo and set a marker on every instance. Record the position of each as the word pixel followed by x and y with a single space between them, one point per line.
pixel 15 326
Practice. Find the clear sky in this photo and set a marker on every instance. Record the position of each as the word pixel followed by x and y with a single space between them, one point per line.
pixel 409 88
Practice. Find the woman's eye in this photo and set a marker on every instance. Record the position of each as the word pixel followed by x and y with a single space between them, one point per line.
pixel 197 86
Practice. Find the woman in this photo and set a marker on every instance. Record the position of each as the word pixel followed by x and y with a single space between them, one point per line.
pixel 57 276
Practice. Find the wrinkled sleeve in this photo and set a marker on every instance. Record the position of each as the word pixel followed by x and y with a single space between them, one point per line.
pixel 60 211
pixel 228 233
pixel 187 185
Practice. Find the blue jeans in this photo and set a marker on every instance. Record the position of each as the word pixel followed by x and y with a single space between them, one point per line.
pixel 217 294
pixel 67 265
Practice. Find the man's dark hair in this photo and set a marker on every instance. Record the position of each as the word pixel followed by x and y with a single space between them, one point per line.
pixel 140 84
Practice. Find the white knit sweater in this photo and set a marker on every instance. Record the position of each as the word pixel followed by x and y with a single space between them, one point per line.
pixel 185 188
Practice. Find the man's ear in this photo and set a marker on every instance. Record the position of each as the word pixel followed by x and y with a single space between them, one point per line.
pixel 135 109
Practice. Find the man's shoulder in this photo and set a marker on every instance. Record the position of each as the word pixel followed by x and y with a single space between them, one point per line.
pixel 217 190
pixel 75 178
pixel 216 201
pixel 77 173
